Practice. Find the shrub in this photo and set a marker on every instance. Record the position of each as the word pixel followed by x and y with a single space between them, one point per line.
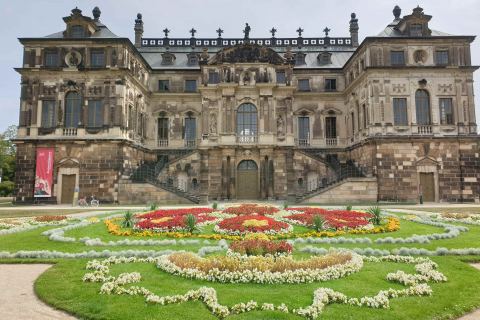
pixel 153 206
pixel 128 220
pixel 214 206
pixel 6 188
pixel 376 213
pixel 318 222
pixel 349 207
pixel 190 223
pixel 285 205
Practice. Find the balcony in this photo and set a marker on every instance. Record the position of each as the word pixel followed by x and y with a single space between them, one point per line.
pixel 302 142
pixel 331 141
pixel 422 129
pixel 69 132
pixel 162 143
pixel 190 143
pixel 250 139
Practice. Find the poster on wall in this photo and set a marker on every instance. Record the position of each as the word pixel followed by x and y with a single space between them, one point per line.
pixel 44 173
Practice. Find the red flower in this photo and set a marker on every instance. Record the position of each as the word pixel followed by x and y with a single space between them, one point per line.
pixel 251 208
pixel 172 219
pixel 252 223
pixel 337 219
pixel 261 247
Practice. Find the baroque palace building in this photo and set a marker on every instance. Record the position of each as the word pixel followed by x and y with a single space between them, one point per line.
pixel 324 119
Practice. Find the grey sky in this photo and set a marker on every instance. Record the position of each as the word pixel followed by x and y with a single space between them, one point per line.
pixel 22 18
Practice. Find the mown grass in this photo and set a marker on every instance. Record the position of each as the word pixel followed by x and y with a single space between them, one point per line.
pixel 62 287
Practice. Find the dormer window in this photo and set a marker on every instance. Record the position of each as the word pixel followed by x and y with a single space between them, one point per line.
pixel 192 59
pixel 416 30
pixel 77 32
pixel 300 59
pixel 324 58
pixel 168 58
pixel 213 77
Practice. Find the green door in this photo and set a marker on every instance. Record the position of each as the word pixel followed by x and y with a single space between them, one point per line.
pixel 247 180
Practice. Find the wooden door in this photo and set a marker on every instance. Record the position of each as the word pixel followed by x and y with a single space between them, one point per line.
pixel 427 186
pixel 68 188
pixel 247 180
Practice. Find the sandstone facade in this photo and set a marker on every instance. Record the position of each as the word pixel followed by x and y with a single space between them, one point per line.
pixel 200 119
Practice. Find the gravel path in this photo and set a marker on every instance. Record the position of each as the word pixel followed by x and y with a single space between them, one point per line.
pixel 17 298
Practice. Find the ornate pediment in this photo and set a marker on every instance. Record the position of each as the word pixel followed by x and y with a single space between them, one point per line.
pixel 247 53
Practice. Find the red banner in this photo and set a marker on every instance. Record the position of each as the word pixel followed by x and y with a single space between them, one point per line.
pixel 44 173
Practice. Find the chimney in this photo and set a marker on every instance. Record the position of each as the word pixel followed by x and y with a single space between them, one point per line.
pixel 138 30
pixel 354 29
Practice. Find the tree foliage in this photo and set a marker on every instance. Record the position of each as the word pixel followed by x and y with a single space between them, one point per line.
pixel 7 160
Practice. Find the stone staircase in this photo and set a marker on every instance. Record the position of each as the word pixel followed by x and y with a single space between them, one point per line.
pixel 150 172
pixel 343 171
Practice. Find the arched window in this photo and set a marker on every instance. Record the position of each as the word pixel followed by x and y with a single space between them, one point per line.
pixel 247 165
pixel 422 104
pixel 73 108
pixel 247 123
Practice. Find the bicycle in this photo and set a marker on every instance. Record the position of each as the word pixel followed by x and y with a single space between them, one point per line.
pixel 94 202
pixel 82 202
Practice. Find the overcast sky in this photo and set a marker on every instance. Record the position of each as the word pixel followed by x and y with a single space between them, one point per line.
pixel 36 18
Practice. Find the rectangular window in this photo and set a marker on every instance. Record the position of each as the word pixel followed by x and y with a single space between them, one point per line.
pixel 441 57
pixel 48 114
pixel 51 58
pixel 330 84
pixel 303 84
pixel 397 58
pixel 353 122
pixel 163 85
pixel 400 111
pixel 95 114
pixel 213 77
pixel 97 59
pixel 446 111
pixel 190 85
pixel 281 77
pixel 416 30
pixel 163 129
pixel 303 128
pixel 331 127
pixel 190 129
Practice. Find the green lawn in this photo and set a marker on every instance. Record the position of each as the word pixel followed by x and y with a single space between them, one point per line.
pixel 470 210
pixel 17 213
pixel 61 286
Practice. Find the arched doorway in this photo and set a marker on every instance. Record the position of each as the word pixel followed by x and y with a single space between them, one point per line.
pixel 247 180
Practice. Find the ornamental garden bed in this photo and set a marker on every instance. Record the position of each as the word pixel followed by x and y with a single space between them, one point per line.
pixel 140 273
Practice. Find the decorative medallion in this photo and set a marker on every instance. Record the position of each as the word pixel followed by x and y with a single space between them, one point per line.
pixel 73 59
pixel 420 56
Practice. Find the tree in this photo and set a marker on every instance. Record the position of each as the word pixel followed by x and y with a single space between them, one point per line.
pixel 7 160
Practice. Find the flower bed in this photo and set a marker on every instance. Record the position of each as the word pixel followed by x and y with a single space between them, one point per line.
pixel 172 220
pixel 258 269
pixel 417 285
pixel 252 223
pixel 258 247
pixel 393 224
pixel 251 209
pixel 336 219
pixel 50 218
